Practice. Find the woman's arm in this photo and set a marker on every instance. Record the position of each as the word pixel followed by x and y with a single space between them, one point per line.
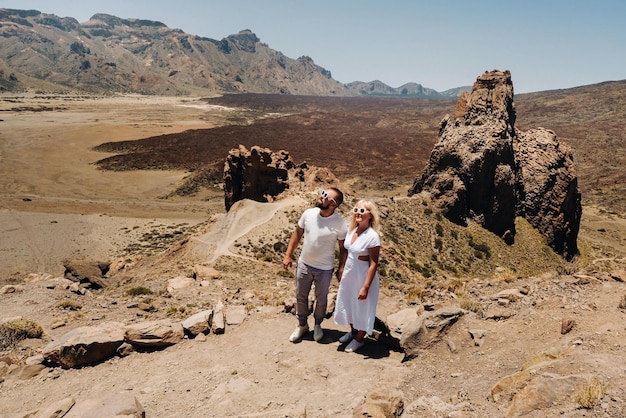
pixel 374 252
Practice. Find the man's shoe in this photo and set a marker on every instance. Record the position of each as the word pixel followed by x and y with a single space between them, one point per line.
pixel 298 333
pixel 346 338
pixel 318 333
pixel 354 345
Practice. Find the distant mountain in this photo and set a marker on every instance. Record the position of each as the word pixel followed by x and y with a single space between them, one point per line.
pixel 108 54
pixel 378 88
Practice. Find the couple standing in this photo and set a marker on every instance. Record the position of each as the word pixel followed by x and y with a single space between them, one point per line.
pixel 359 248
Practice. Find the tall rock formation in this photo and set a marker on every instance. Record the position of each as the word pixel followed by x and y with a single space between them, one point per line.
pixel 483 169
pixel 263 175
pixel 258 174
pixel 549 197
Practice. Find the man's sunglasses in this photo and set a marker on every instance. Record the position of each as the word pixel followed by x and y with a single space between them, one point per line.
pixel 360 211
pixel 325 195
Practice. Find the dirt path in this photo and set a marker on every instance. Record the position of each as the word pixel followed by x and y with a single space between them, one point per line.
pixel 243 217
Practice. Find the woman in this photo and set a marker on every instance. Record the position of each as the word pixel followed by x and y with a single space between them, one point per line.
pixel 359 286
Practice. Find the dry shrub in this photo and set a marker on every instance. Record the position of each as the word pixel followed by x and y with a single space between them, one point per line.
pixel 416 294
pixel 138 290
pixel 16 330
pixel 589 393
pixel 69 305
pixel 470 305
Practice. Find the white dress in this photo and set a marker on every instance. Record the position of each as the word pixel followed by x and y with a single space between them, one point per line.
pixel 349 309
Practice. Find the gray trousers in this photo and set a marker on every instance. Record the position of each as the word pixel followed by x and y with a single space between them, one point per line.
pixel 306 276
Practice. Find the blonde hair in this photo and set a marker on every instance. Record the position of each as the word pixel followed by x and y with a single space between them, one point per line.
pixel 373 209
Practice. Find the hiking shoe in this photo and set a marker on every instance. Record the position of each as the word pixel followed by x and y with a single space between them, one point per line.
pixel 298 333
pixel 346 338
pixel 354 345
pixel 318 333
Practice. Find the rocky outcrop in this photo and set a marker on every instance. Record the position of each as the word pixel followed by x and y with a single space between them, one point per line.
pixel 262 175
pixel 483 169
pixel 548 188
pixel 256 174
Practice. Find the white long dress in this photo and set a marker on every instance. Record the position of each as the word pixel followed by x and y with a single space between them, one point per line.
pixel 349 309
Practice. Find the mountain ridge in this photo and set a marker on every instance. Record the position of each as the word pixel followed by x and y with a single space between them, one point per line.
pixel 43 51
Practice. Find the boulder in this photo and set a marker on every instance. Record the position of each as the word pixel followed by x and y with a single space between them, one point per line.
pixel 199 323
pixel 397 321
pixel 85 271
pixel 179 282
pixel 219 322
pixel 427 330
pixel 154 334
pixel 119 404
pixel 235 314
pixel 201 272
pixel 85 345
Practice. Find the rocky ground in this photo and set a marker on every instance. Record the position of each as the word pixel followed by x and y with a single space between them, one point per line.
pixel 527 346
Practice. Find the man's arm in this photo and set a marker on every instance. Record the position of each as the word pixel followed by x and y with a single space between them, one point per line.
pixel 343 255
pixel 293 243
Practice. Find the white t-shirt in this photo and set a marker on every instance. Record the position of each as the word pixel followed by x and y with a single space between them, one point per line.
pixel 320 238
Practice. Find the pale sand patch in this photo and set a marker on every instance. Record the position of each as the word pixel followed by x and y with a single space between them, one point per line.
pixel 55 203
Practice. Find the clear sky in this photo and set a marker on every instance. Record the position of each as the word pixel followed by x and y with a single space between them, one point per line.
pixel 546 44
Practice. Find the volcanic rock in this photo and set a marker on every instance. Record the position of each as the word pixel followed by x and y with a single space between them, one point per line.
pixel 483 169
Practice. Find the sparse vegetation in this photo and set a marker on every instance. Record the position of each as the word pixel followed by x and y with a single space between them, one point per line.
pixel 16 330
pixel 70 305
pixel 139 290
pixel 470 305
pixel 591 392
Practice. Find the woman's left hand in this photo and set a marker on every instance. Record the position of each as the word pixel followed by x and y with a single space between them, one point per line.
pixel 363 293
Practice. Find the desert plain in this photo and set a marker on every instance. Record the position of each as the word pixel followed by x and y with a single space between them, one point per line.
pixel 56 203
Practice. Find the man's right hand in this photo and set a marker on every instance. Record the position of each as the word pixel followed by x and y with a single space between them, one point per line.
pixel 287 262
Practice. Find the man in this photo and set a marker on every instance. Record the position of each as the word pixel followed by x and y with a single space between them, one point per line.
pixel 322 228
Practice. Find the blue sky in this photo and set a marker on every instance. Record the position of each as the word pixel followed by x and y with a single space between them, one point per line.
pixel 548 44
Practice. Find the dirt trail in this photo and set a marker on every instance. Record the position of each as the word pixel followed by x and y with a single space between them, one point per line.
pixel 243 217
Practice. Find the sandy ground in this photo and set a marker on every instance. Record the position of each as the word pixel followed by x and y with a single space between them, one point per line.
pixel 55 204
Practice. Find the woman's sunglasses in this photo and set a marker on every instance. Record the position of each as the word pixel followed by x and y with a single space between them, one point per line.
pixel 360 211
pixel 325 195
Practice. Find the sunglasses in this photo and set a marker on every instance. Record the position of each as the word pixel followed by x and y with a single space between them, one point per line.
pixel 325 195
pixel 360 211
